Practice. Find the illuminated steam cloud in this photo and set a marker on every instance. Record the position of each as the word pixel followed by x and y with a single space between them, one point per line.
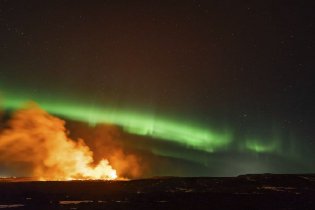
pixel 37 143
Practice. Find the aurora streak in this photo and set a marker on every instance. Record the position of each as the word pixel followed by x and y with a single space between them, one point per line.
pixel 132 122
pixel 185 133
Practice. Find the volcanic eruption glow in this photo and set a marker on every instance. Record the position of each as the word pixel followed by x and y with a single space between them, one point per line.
pixel 38 143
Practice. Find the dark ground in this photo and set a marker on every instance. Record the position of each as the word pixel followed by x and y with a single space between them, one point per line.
pixel 264 191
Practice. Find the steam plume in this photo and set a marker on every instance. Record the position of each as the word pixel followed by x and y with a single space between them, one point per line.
pixel 36 143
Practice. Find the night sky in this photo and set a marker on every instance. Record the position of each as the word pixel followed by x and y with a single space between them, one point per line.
pixel 195 88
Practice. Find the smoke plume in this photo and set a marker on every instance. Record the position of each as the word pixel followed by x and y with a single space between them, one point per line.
pixel 34 143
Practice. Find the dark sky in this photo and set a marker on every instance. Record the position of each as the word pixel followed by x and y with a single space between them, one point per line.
pixel 242 65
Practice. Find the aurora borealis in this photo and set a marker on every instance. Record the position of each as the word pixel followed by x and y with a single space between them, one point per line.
pixel 202 88
pixel 187 135
pixel 135 123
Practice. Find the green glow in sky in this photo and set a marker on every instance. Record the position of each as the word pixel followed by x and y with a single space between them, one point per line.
pixel 135 123
pixel 256 146
pixel 188 134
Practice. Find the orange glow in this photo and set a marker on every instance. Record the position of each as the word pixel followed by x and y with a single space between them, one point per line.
pixel 37 142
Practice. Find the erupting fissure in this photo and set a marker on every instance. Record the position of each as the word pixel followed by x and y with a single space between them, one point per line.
pixel 37 143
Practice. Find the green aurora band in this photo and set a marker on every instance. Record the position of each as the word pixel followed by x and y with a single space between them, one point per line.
pixel 261 147
pixel 131 122
pixel 144 124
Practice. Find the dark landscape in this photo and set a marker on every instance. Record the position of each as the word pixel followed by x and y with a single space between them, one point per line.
pixel 265 191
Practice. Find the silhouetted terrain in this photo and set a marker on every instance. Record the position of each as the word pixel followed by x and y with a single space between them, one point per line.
pixel 264 191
